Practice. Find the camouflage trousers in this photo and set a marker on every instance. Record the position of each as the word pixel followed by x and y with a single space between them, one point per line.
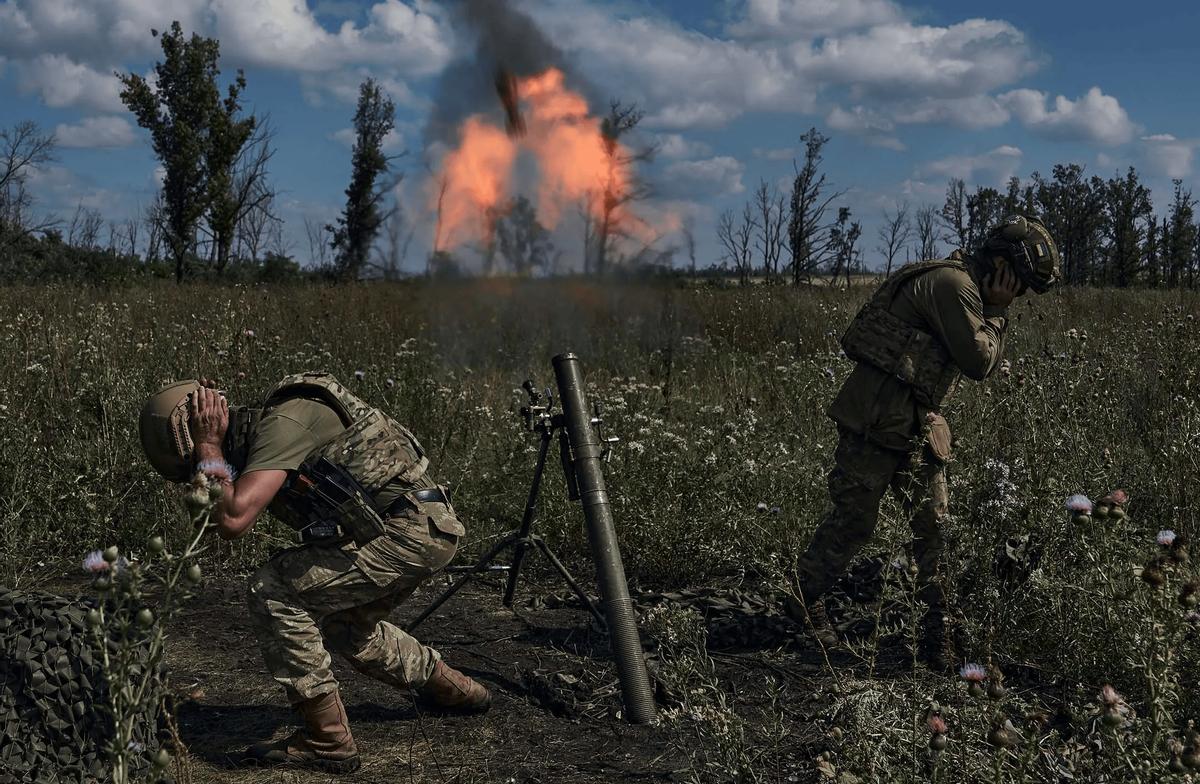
pixel 317 598
pixel 862 473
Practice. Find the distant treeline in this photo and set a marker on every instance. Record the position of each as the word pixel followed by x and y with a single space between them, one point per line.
pixel 1107 230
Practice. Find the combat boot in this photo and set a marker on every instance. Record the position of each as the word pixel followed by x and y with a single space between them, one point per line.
pixel 813 617
pixel 323 743
pixel 936 645
pixel 450 691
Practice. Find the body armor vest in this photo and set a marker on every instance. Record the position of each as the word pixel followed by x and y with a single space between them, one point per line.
pixel 883 340
pixel 372 451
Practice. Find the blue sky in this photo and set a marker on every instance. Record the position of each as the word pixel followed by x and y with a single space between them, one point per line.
pixel 911 93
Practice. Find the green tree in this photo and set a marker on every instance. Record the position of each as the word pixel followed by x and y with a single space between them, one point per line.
pixel 522 240
pixel 1179 236
pixel 228 134
pixel 808 232
pixel 1072 207
pixel 1127 211
pixel 361 219
pixel 194 133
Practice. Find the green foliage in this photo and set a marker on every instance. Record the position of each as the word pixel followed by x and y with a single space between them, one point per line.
pixel 195 135
pixel 360 220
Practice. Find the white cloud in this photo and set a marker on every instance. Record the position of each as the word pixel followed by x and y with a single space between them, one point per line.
pixel 990 168
pixel 811 18
pixel 775 153
pixel 409 38
pixel 972 113
pixel 674 145
pixel 96 132
pixel 1095 117
pixel 719 176
pixel 341 85
pixel 60 81
pixel 866 123
pixel 905 60
pixel 1168 156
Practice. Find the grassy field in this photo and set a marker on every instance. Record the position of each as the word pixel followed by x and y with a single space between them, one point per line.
pixel 719 397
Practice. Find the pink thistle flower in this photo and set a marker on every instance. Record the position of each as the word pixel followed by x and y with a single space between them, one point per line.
pixel 94 563
pixel 1110 697
pixel 937 725
pixel 1080 504
pixel 1165 538
pixel 1119 497
pixel 973 673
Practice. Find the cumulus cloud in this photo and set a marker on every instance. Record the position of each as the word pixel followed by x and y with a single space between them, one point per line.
pixel 866 123
pixel 342 85
pixel 409 37
pixel 718 176
pixel 994 166
pixel 96 132
pixel 812 18
pixel 61 82
pixel 903 59
pixel 775 153
pixel 1168 156
pixel 1095 117
pixel 674 146
pixel 972 113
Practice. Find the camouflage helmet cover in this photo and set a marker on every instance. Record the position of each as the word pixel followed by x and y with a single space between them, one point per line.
pixel 1027 243
pixel 163 428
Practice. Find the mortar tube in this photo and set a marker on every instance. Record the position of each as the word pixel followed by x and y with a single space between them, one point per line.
pixel 586 449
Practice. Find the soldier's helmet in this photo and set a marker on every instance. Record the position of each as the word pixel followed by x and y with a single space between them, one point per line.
pixel 163 428
pixel 1026 243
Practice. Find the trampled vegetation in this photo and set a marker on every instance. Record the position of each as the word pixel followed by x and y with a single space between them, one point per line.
pixel 718 396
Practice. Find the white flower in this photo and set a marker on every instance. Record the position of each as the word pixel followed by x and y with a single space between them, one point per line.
pixel 1165 537
pixel 1079 503
pixel 358 375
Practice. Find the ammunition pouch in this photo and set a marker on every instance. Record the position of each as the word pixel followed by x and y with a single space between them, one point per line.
pixel 881 339
pixel 324 501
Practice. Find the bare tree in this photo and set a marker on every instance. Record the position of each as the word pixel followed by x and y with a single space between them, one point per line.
pixel 23 148
pixel 688 230
pixel 808 232
pixel 954 214
pixel 251 198
pixel 84 229
pixel 318 242
pixel 927 233
pixel 129 235
pixel 154 221
pixel 736 239
pixel 844 238
pixel 619 188
pixel 771 209
pixel 390 255
pixel 894 234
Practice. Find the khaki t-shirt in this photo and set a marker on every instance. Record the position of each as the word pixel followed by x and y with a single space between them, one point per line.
pixel 290 430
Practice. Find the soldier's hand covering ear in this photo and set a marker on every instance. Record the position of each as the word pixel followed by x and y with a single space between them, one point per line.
pixel 208 416
pixel 1001 287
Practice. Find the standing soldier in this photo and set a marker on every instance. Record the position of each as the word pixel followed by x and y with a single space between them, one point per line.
pixel 372 526
pixel 929 324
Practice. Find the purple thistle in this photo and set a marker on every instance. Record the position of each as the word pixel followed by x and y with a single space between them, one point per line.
pixel 973 673
pixel 94 563
pixel 1079 503
pixel 1165 537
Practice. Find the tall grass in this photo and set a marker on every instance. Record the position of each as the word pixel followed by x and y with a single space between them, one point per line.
pixel 718 394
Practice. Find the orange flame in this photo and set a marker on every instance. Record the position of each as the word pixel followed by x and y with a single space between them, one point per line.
pixel 576 165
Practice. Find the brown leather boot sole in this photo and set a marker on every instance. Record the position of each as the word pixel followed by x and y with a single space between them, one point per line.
pixel 277 757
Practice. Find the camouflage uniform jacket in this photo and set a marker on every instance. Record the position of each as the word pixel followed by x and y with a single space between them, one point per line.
pixel 946 303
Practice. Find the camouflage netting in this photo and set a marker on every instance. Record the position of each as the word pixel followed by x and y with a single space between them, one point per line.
pixel 53 726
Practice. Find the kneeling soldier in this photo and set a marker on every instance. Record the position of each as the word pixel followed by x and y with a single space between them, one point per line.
pixel 372 525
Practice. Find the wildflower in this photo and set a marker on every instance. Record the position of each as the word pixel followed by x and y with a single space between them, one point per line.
pixel 136 747
pixel 358 375
pixel 1165 537
pixel 973 673
pixel 391 382
pixel 249 334
pixel 937 725
pixel 1189 595
pixel 1110 697
pixel 1079 504
pixel 1119 497
pixel 94 562
pixel 762 507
